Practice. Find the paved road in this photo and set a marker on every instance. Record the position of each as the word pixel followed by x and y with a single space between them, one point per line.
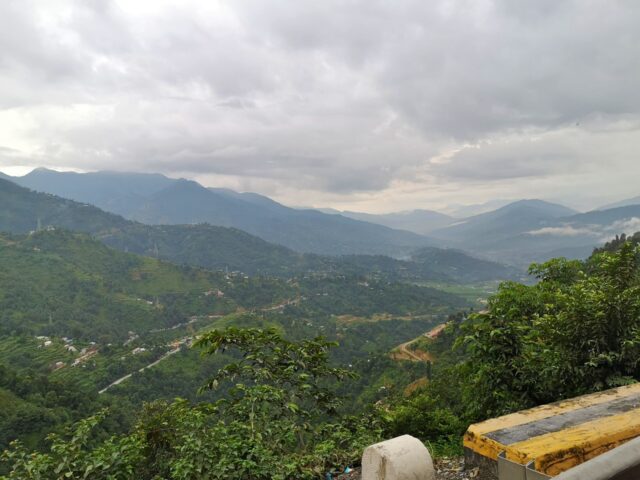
pixel 153 364
pixel 403 348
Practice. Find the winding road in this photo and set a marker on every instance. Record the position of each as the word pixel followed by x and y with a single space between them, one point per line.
pixel 402 351
pixel 153 364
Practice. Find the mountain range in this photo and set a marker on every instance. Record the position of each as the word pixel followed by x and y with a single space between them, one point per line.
pixel 517 233
pixel 155 199
pixel 419 221
pixel 622 203
pixel 219 248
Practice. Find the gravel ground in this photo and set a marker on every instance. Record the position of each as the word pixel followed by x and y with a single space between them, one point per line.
pixel 446 469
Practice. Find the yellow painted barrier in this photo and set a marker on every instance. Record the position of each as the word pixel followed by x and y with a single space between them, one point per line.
pixel 557 436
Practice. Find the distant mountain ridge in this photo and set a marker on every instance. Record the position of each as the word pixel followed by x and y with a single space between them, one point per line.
pixel 216 247
pixel 518 233
pixel 155 199
pixel 422 222
pixel 622 203
pixel 505 222
pixel 534 230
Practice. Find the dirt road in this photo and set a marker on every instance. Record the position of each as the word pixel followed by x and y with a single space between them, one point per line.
pixel 403 352
pixel 152 364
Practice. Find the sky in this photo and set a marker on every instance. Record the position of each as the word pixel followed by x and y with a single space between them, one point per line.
pixel 365 105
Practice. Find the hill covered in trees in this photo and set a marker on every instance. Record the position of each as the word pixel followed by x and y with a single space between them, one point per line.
pixel 220 248
pixel 76 315
pixel 155 199
pixel 573 332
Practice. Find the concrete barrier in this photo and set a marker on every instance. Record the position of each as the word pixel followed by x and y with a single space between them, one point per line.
pixel 547 440
pixel 621 463
pixel 401 458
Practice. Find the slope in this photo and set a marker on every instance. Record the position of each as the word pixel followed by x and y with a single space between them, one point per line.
pixel 22 210
pixel 511 233
pixel 213 247
pixel 115 192
pixel 622 203
pixel 62 283
pixel 422 222
pixel 155 199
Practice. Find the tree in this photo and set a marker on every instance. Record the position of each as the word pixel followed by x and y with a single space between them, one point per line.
pixel 576 331
pixel 277 421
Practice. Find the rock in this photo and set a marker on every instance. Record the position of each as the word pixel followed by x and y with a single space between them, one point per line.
pixel 401 458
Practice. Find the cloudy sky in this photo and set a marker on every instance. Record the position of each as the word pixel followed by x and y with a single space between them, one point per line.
pixel 368 105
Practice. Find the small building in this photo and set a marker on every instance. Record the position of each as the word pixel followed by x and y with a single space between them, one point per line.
pixel 58 366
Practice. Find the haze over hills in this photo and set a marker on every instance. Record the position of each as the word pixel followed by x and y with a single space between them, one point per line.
pixel 505 232
pixel 155 199
pixel 533 230
pixel 418 221
pixel 218 247
pixel 114 192
pixel 204 245
pixel 512 219
pixel 622 203
pixel 518 233
pixel 463 211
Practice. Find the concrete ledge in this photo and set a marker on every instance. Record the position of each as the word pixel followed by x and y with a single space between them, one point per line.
pixel 621 463
pixel 401 458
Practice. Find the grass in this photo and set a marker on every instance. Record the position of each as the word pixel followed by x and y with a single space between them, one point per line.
pixel 476 293
pixel 378 317
pixel 446 447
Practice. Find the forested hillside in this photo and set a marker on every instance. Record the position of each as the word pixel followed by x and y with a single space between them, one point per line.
pixel 66 284
pixel 573 332
pixel 221 248
pixel 77 315
pixel 154 199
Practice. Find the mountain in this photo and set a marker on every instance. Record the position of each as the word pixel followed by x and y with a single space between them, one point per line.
pixel 463 211
pixel 301 230
pixel 203 245
pixel 622 203
pixel 505 233
pixel 605 218
pixel 512 219
pixel 155 199
pixel 213 247
pixel 22 210
pixel 464 268
pixel 114 192
pixel 529 231
pixel 422 222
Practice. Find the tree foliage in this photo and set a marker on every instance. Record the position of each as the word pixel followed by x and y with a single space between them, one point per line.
pixel 576 331
pixel 272 424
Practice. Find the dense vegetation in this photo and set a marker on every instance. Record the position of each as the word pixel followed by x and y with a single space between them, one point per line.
pixel 278 420
pixel 76 315
pixel 576 331
pixel 126 311
pixel 229 249
pixel 276 414
pixel 66 284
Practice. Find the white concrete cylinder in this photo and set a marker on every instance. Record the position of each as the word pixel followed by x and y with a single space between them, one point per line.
pixel 401 458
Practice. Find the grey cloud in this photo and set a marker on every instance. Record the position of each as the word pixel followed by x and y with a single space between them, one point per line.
pixel 574 150
pixel 601 232
pixel 332 97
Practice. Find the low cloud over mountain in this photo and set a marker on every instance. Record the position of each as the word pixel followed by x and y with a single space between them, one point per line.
pixel 364 106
